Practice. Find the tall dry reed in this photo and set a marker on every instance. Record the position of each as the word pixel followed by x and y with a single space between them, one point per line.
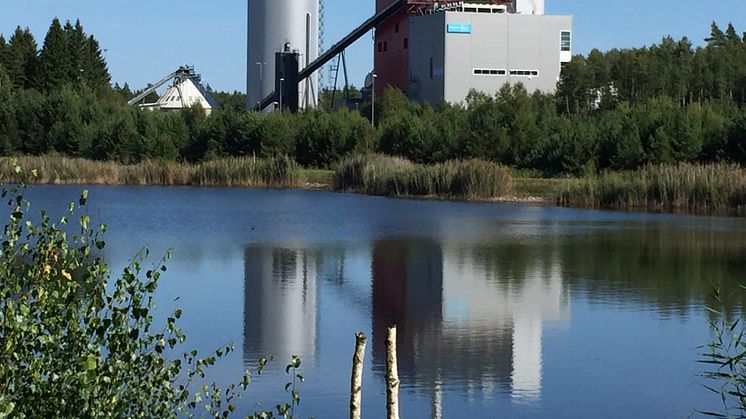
pixel 279 171
pixel 377 174
pixel 687 187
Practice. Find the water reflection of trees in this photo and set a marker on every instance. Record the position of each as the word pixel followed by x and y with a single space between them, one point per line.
pixel 672 270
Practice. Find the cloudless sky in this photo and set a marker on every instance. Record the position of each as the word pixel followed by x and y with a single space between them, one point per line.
pixel 146 39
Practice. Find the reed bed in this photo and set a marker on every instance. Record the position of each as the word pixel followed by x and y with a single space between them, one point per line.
pixel 378 174
pixel 712 188
pixel 280 172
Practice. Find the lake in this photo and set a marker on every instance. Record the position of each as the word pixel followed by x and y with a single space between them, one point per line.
pixel 503 310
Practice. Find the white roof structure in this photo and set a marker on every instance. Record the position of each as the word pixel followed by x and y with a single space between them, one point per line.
pixel 186 91
pixel 184 94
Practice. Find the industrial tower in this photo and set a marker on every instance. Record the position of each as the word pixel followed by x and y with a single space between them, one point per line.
pixel 281 26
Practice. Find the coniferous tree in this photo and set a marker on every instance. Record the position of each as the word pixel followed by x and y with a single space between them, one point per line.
pixel 3 49
pixel 94 66
pixel 77 49
pixel 21 58
pixel 55 66
pixel 717 37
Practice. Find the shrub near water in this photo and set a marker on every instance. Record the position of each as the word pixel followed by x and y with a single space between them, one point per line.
pixel 378 174
pixel 715 187
pixel 78 343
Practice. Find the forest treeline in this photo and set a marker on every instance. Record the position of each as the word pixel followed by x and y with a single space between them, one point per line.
pixel 620 109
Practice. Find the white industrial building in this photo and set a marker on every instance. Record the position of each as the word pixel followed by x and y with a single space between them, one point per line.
pixel 483 47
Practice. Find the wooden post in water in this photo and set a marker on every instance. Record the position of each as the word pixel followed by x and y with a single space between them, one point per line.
pixel 392 376
pixel 356 383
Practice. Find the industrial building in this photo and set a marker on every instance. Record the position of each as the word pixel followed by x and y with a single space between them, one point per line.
pixel 185 91
pixel 444 50
pixel 432 50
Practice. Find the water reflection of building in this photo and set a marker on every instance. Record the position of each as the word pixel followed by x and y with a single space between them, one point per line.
pixel 280 308
pixel 466 314
pixel 469 316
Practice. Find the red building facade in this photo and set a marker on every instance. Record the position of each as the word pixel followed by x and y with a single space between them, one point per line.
pixel 391 55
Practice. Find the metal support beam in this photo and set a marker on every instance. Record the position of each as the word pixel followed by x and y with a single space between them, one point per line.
pixel 340 46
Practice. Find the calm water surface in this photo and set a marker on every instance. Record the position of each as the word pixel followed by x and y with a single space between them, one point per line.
pixel 503 310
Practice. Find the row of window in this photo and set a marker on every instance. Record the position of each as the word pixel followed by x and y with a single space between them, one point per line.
pixel 484 9
pixel 565 44
pixel 501 72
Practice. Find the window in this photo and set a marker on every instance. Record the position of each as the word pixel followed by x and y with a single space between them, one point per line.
pixel 380 47
pixel 406 43
pixel 565 41
pixel 385 46
pixel 489 72
pixel 396 27
pixel 524 73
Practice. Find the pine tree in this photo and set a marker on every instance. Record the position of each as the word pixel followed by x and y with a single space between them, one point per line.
pixel 77 47
pixel 717 37
pixel 732 36
pixel 55 66
pixel 3 49
pixel 94 66
pixel 21 58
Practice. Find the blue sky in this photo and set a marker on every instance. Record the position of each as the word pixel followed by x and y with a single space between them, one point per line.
pixel 146 39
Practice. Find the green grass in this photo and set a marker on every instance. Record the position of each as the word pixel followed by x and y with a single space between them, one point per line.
pixel 378 174
pixel 713 188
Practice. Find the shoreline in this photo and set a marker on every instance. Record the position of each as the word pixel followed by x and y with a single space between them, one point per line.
pixel 314 187
pixel 712 190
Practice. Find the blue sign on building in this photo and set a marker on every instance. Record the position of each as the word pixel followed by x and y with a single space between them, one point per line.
pixel 458 28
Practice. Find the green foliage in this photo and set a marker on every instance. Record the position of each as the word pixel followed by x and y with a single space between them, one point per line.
pixel 705 188
pixel 277 172
pixel 68 56
pixel 235 101
pixel 617 110
pixel 726 357
pixel 377 174
pixel 76 342
pixel 671 68
pixel 20 58
pixel 55 60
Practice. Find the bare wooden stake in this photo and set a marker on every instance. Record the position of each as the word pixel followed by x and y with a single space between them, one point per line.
pixel 356 383
pixel 392 376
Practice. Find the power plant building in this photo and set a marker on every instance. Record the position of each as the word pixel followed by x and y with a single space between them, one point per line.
pixel 444 51
pixel 432 50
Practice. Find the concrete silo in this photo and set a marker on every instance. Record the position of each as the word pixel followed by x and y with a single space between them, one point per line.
pixel 530 7
pixel 281 26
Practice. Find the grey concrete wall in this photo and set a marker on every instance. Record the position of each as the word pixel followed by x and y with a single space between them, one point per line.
pixel 426 42
pixel 497 41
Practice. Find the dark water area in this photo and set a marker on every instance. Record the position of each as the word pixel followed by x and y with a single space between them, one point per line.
pixel 503 310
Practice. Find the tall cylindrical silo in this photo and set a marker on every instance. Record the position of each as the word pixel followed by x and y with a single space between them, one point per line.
pixel 273 24
pixel 530 7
